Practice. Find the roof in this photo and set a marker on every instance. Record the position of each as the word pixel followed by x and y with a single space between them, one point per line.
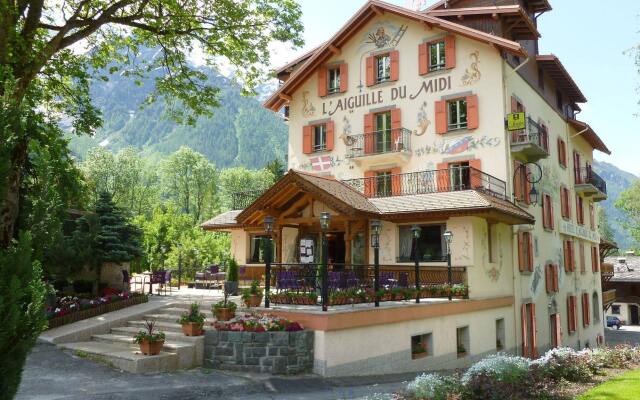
pixel 629 271
pixel 537 5
pixel 368 11
pixel 554 68
pixel 297 60
pixel 514 16
pixel 224 220
pixel 444 202
pixel 589 135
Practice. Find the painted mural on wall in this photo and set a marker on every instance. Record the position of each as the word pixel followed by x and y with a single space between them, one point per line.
pixel 536 278
pixel 458 145
pixel 472 74
pixel 321 163
pixel 346 132
pixel 423 120
pixel 493 271
pixel 308 110
pixel 383 35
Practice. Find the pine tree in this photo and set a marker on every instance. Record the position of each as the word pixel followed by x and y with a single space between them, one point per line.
pixel 22 294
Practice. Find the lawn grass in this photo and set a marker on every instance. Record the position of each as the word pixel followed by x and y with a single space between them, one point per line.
pixel 622 387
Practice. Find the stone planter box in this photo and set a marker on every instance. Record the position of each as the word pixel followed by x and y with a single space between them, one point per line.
pixel 98 310
pixel 268 352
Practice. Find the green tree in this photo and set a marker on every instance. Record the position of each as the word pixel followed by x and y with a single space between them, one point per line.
pixel 604 227
pixel 277 168
pixel 197 249
pixel 22 294
pixel 240 179
pixel 629 203
pixel 190 180
pixel 41 69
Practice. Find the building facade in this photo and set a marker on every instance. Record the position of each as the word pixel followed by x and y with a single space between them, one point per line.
pixel 444 118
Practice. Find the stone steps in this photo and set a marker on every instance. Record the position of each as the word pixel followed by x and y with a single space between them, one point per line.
pixel 178 311
pixel 173 317
pixel 169 335
pixel 163 326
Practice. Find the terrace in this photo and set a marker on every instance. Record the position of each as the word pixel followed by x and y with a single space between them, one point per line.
pixel 590 183
pixel 389 142
pixel 531 143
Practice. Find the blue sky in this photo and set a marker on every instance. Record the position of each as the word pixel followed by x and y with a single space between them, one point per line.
pixel 589 38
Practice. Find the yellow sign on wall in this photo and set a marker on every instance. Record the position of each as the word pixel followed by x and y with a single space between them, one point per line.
pixel 515 121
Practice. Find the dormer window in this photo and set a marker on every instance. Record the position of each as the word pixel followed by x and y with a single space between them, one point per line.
pixel 437 56
pixel 334 80
pixel 383 68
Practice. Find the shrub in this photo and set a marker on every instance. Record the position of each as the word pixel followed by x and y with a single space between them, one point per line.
pixel 232 270
pixel 502 367
pixel 434 387
pixel 565 363
pixel 193 315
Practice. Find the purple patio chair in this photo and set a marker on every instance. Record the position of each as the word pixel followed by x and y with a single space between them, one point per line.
pixel 387 279
pixel 214 269
pixel 334 280
pixel 352 280
pixel 157 278
pixel 242 273
pixel 403 280
pixel 167 282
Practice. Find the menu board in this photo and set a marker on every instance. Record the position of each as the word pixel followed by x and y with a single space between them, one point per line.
pixel 306 251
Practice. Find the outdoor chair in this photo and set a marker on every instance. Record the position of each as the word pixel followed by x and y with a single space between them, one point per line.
pixel 286 280
pixel 167 283
pixel 242 274
pixel 203 279
pixel 387 280
pixel 403 280
pixel 127 280
pixel 157 278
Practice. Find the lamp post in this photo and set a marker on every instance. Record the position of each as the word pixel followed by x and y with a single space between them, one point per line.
pixel 268 228
pixel 375 243
pixel 448 237
pixel 325 220
pixel 416 230
pixel 531 178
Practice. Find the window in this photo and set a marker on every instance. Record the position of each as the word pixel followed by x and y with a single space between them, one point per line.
pixel 547 211
pixel 459 175
pixel 529 334
pixel 500 334
pixel 334 80
pixel 430 243
pixel 457 114
pixel 564 203
pixel 521 184
pixel 583 266
pixel 319 137
pixel 383 183
pixel 572 316
pixel 615 309
pixel 586 314
pixel 462 341
pixel 437 55
pixel 525 251
pixel 596 307
pixel 569 256
pixel 595 260
pixel 562 153
pixel 556 331
pixel 551 278
pixel 421 346
pixel 257 248
pixel 383 140
pixel 592 217
pixel 579 210
pixel 383 68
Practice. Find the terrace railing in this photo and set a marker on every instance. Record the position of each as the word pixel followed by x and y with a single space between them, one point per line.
pixel 302 284
pixel 424 182
pixel 241 200
pixel 586 176
pixel 379 142
pixel 533 134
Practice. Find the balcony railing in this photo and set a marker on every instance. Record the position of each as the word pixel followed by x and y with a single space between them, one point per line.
pixel 424 182
pixel 242 200
pixel 379 142
pixel 303 284
pixel 586 176
pixel 532 141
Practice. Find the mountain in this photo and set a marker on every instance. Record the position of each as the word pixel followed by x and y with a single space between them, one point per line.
pixel 617 181
pixel 239 133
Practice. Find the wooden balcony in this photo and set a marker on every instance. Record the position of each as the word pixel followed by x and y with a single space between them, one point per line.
pixel 608 297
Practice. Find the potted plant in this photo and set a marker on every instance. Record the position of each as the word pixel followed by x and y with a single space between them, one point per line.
pixel 150 342
pixel 231 283
pixel 225 310
pixel 192 321
pixel 252 296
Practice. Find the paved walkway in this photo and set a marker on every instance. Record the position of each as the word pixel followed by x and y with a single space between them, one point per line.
pixel 51 374
pixel 626 334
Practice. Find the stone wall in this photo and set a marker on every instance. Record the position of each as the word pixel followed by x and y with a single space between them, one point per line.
pixel 269 352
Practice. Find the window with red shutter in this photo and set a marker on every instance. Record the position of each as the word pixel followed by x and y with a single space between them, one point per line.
pixel 555 274
pixel 371 71
pixel 592 216
pixel 583 267
pixel 344 77
pixel 524 331
pixel 394 57
pixel 322 81
pixel 595 260
pixel 564 202
pixel 441 117
pixel 307 139
pixel 473 116
pixel 423 58
pixel 579 210
pixel 450 51
pixel 525 251
pixel 569 258
pixel 586 316
pixel 562 153
pixel 571 314
pixel 547 211
pixel 548 278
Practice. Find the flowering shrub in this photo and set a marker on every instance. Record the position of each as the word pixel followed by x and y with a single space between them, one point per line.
pixel 502 367
pixel 566 363
pixel 69 304
pixel 434 387
pixel 258 323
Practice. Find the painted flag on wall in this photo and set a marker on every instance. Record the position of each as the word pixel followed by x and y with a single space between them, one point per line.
pixel 459 146
pixel 322 163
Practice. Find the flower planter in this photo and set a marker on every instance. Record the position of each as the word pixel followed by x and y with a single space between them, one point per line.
pixel 192 329
pixel 151 348
pixel 224 314
pixel 81 314
pixel 253 301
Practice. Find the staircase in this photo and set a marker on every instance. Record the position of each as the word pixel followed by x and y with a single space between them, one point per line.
pixel 118 350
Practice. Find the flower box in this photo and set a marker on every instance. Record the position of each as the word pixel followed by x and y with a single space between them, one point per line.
pixel 80 314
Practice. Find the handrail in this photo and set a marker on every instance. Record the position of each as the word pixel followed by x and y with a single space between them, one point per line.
pixel 534 133
pixel 586 175
pixel 379 142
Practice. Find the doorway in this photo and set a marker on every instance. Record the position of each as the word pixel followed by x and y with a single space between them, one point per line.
pixel 633 311
pixel 336 249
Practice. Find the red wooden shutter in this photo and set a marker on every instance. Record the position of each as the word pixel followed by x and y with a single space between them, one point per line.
pixel 567 259
pixel 371 71
pixel 475 173
pixel 530 252
pixel 396 181
pixel 514 104
pixel 423 58
pixel 576 167
pixel 545 212
pixel 441 117
pixel 307 139
pixel 450 51
pixel 572 256
pixel 555 272
pixel 330 135
pixel 442 176
pixel 369 134
pixel 595 261
pixel 396 128
pixel 473 119
pixel 369 183
pixel 548 278
pixel 583 267
pixel 394 57
pixel 534 333
pixel 592 216
pixel 560 151
pixel 585 310
pixel 563 202
pixel 521 259
pixel 558 331
pixel 517 184
pixel 571 311
pixel 527 187
pixel 344 77
pixel 523 322
pixel 322 81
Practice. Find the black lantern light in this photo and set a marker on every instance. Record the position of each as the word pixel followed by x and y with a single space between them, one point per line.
pixel 325 220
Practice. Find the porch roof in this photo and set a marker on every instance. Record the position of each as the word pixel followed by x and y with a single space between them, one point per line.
pixel 226 220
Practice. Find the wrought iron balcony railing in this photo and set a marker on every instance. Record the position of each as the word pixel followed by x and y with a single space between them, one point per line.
pixel 533 134
pixel 242 200
pixel 586 176
pixel 424 182
pixel 379 142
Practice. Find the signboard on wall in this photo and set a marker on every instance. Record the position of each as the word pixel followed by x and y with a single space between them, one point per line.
pixel 306 251
pixel 579 231
pixel 515 121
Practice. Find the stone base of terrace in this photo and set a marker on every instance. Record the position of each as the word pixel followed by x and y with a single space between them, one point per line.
pixel 362 339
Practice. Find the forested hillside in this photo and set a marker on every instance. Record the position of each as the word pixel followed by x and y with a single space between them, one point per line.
pixel 617 181
pixel 239 133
